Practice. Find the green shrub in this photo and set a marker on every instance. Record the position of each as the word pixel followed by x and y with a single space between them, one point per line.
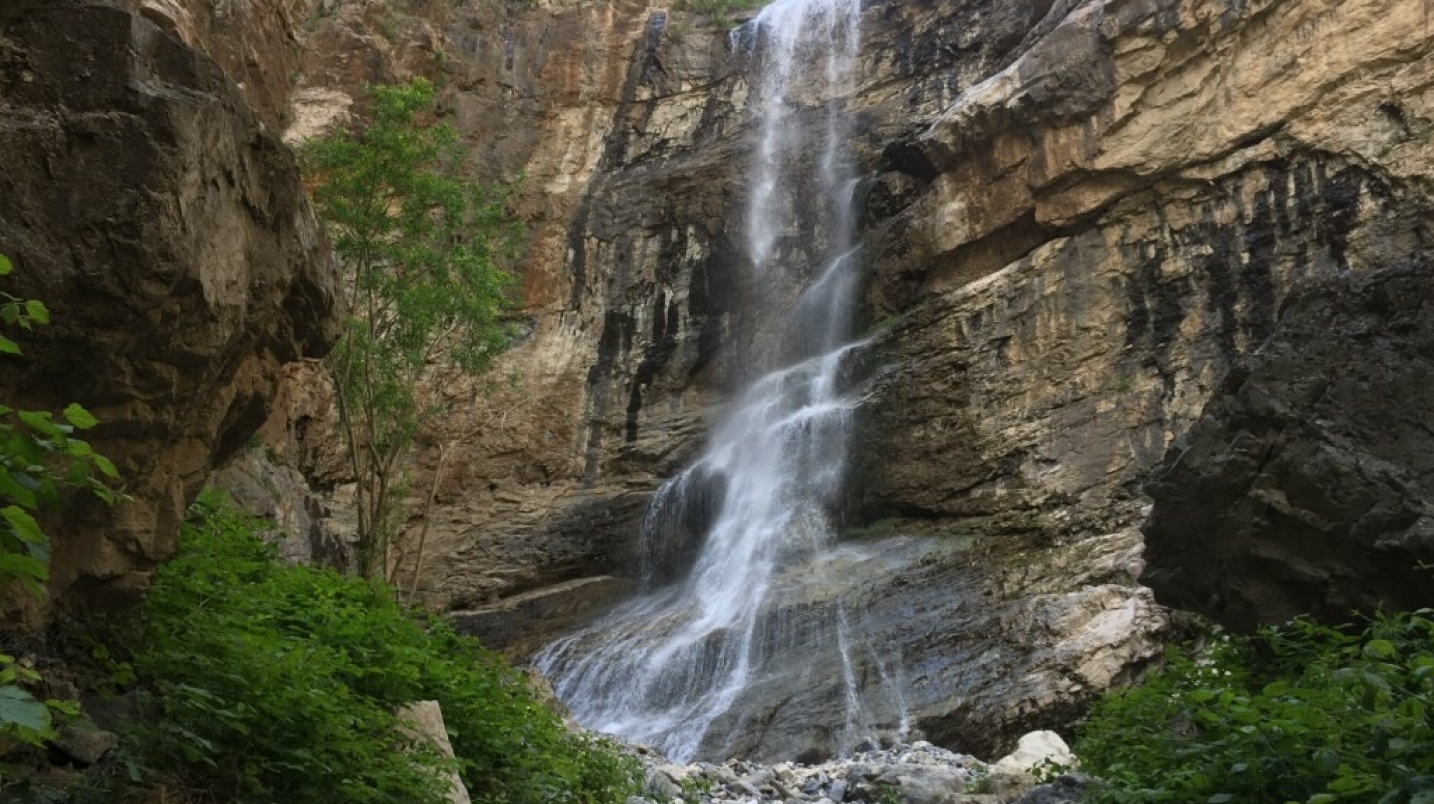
pixel 1306 713
pixel 270 683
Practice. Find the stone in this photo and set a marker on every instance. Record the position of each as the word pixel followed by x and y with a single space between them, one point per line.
pixel 1034 751
pixel 1306 485
pixel 86 745
pixel 924 785
pixel 658 784
pixel 423 720
pixel 166 227
pixel 1066 789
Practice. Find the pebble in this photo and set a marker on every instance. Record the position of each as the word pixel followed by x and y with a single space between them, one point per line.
pixel 851 780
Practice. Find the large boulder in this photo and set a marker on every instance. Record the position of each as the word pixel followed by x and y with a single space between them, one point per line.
pixel 166 226
pixel 1308 483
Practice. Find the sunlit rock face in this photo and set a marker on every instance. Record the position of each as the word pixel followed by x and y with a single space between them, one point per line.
pixel 1076 217
pixel 166 227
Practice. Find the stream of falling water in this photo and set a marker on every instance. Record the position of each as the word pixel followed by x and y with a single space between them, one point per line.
pixel 661 668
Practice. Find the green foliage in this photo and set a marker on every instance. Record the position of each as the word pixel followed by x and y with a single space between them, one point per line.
pixel 40 458
pixel 695 788
pixel 279 683
pixel 1327 715
pixel 888 793
pixel 981 782
pixel 421 247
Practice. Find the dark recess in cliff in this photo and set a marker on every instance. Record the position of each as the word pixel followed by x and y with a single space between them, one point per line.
pixel 1306 485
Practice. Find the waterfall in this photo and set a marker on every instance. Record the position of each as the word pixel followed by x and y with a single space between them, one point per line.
pixel 661 668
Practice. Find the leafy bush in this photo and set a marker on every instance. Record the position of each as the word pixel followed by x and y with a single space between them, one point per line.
pixel 40 458
pixel 269 683
pixel 1306 714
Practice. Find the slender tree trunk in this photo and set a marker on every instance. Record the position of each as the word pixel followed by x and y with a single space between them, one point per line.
pixel 443 453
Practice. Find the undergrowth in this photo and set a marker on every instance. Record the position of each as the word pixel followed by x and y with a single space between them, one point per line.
pixel 1306 713
pixel 261 682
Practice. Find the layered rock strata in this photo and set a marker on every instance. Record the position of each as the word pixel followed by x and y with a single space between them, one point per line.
pixel 1079 215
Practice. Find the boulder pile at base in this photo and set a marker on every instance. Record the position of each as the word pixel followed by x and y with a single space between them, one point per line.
pixel 915 773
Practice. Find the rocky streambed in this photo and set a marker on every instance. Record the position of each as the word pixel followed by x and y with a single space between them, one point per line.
pixel 915 773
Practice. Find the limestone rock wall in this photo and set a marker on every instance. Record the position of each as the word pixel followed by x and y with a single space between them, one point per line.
pixel 1078 215
pixel 1085 261
pixel 165 225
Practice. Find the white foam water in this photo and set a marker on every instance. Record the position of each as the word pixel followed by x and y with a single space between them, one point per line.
pixel 661 668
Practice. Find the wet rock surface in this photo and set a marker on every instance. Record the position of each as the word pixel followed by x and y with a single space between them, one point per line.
pixel 1305 486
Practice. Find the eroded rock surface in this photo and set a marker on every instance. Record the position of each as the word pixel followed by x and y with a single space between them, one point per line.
pixel 1306 486
pixel 166 228
pixel 1079 215
pixel 1076 251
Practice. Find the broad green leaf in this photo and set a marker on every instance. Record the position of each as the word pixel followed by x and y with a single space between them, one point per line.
pixel 38 311
pixel 106 467
pixel 1346 782
pixel 78 448
pixel 8 347
pixel 25 527
pixel 19 708
pixel 79 417
pixel 40 551
pixel 11 489
pixel 1379 649
pixel 26 568
pixel 5 265
pixel 1276 688
pixel 40 422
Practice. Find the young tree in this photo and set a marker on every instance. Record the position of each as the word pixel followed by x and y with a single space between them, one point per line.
pixel 421 248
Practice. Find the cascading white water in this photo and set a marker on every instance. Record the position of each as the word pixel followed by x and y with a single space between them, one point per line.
pixel 661 668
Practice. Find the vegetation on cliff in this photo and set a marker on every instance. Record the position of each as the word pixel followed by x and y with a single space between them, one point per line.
pixel 1306 713
pixel 262 682
pixel 421 247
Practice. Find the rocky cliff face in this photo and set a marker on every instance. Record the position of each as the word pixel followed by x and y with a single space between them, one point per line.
pixel 165 226
pixel 1079 215
pixel 1078 248
pixel 1305 486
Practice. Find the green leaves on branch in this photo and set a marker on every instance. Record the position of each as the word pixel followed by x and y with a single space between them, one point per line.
pixel 1327 715
pixel 422 248
pixel 279 683
pixel 40 458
